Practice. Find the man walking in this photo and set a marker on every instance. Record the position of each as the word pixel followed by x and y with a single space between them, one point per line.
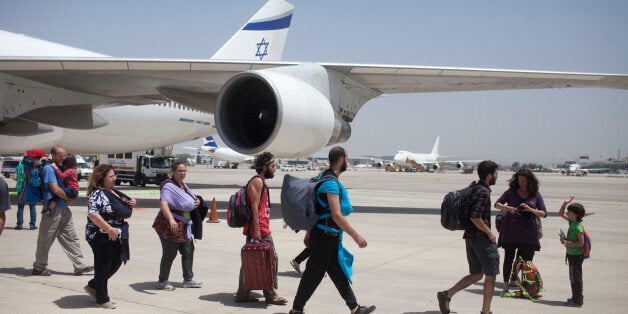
pixel 325 240
pixel 57 223
pixel 481 246
pixel 259 227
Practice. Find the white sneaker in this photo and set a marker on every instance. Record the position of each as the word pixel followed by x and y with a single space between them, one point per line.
pixel 164 286
pixel 191 284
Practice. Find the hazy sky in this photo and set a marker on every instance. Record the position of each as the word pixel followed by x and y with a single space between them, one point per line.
pixel 537 125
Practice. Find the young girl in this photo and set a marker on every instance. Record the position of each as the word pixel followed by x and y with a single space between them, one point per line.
pixel 574 243
pixel 69 177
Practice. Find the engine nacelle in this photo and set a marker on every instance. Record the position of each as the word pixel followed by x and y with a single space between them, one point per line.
pixel 459 165
pixel 269 111
pixel 435 167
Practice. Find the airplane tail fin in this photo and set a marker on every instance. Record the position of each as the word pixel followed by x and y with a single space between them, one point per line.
pixel 435 148
pixel 262 37
pixel 210 142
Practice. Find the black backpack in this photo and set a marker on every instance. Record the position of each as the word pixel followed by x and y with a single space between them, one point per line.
pixel 238 211
pixel 454 211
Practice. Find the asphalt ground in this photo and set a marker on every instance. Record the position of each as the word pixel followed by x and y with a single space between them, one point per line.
pixel 408 259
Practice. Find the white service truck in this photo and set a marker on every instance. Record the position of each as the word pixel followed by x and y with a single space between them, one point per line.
pixel 139 168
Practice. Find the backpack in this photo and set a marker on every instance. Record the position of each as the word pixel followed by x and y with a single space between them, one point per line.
pixel 530 284
pixel 35 187
pixel 238 211
pixel 454 211
pixel 298 201
pixel 586 247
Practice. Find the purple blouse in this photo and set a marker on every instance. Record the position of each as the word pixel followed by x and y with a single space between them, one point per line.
pixel 520 227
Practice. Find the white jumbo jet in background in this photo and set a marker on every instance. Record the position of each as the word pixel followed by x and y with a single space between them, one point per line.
pixel 291 109
pixel 426 162
pixel 222 153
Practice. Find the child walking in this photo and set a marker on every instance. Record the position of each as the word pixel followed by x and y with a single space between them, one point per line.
pixel 69 177
pixel 574 243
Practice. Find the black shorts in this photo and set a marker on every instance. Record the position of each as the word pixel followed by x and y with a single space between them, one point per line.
pixel 482 256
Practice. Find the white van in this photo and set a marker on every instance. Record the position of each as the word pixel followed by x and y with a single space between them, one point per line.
pixel 9 164
pixel 82 168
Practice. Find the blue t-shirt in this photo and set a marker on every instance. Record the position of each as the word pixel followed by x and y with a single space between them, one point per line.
pixel 51 177
pixel 330 186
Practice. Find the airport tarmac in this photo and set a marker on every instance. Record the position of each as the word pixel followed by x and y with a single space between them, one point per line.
pixel 408 259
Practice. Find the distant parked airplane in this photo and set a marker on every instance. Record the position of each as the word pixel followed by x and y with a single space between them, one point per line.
pixel 222 153
pixel 426 162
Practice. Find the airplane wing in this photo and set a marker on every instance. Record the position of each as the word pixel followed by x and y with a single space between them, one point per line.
pixel 142 81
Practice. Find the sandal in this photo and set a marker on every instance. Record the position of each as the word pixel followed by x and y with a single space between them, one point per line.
pixel 277 300
pixel 248 298
pixel 443 299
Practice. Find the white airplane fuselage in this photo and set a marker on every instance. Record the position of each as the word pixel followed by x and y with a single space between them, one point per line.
pixel 406 159
pixel 130 128
pixel 228 155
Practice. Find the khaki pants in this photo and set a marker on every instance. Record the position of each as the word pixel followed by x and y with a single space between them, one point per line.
pixel 57 224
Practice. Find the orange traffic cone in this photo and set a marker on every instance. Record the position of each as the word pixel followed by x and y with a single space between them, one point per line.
pixel 213 214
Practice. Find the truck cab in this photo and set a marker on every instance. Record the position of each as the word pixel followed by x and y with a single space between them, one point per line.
pixel 9 164
pixel 139 168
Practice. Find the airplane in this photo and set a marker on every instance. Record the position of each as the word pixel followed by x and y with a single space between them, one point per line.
pixel 291 109
pixel 222 153
pixel 426 162
pixel 577 170
pixel 98 126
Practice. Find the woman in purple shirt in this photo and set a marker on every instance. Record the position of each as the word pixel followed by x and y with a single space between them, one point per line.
pixel 523 205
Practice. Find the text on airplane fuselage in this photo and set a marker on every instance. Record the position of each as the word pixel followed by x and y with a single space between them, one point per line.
pixel 194 121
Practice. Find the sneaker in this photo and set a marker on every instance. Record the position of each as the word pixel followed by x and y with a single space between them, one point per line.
pixel 91 291
pixel 296 266
pixel 107 305
pixel 80 271
pixel 44 272
pixel 164 286
pixel 18 228
pixel 191 284
pixel 33 228
pixel 364 309
pixel 570 302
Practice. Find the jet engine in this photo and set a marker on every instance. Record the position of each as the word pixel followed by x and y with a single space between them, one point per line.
pixel 270 111
pixel 434 167
pixel 459 165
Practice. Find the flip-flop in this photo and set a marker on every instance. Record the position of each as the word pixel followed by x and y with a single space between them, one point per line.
pixel 277 300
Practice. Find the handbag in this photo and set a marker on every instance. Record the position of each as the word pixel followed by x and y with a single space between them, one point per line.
pixel 539 226
pixel 162 227
pixel 499 219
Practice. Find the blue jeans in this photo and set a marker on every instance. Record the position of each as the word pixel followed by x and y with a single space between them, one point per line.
pixel 20 215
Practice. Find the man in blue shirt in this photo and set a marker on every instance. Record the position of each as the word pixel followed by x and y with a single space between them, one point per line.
pixel 325 240
pixel 57 223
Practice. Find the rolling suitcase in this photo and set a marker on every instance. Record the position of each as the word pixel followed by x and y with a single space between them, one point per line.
pixel 259 269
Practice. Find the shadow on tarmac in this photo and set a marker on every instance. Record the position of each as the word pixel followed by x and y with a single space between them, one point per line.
pixel 147 287
pixel 28 272
pixel 228 299
pixel 75 302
